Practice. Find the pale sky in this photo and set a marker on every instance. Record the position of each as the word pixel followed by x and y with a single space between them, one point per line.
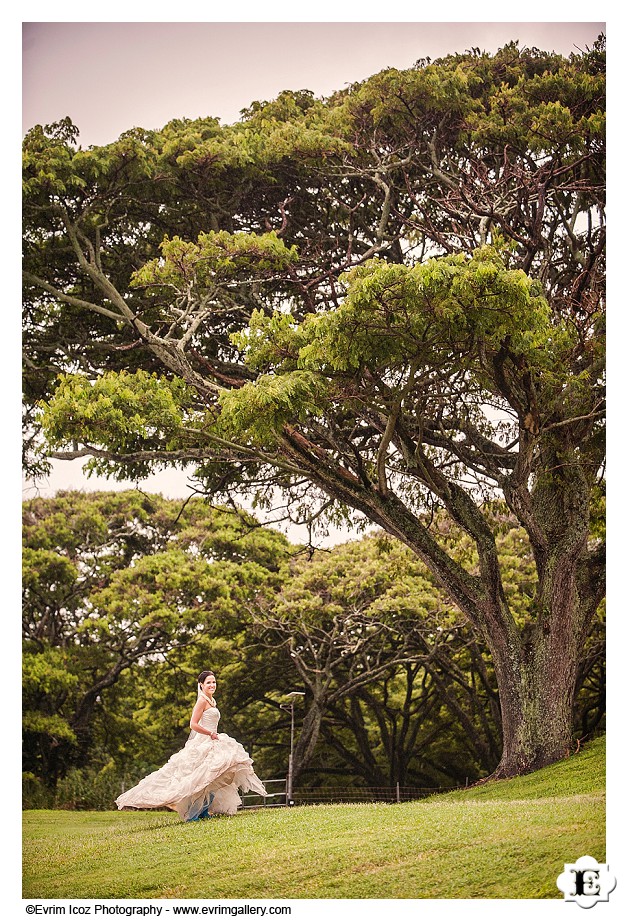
pixel 112 76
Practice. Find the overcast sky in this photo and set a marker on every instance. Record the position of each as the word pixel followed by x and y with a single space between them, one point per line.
pixel 112 76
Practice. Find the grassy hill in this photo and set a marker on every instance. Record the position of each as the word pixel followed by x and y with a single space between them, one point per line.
pixel 506 839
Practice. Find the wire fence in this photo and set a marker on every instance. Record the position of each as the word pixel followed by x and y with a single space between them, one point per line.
pixel 396 794
pixel 277 795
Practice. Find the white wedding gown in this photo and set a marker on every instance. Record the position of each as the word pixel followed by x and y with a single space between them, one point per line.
pixel 205 766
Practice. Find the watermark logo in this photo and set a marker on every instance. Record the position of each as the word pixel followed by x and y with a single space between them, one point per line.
pixel 586 882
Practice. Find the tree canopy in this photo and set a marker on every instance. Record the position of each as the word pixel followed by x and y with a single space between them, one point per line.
pixel 386 301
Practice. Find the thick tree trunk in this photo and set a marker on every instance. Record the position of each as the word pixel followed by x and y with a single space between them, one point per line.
pixel 537 677
pixel 537 710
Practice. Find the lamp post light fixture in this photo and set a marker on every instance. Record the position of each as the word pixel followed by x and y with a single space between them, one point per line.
pixel 290 707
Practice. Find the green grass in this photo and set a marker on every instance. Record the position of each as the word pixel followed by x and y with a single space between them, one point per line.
pixel 506 839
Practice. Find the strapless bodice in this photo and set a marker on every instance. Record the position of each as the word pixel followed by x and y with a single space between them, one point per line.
pixel 209 719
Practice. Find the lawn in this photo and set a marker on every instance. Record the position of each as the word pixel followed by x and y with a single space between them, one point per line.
pixel 507 839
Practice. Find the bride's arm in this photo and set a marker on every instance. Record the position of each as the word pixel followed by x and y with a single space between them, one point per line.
pixel 197 713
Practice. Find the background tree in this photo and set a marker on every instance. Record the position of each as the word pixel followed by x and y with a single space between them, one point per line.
pixel 413 729
pixel 460 358
pixel 333 621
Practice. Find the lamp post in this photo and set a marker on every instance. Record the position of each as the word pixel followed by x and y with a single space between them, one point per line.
pixel 290 707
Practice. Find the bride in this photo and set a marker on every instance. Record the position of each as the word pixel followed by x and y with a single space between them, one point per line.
pixel 203 778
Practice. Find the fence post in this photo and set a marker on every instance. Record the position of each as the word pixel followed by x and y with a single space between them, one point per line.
pixel 398 796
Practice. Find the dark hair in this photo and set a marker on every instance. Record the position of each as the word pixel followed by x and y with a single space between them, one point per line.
pixel 203 675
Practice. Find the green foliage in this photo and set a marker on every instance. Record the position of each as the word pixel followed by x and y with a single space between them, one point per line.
pixel 49 159
pixel 125 412
pixel 430 93
pixel 391 311
pixel 52 569
pixel 47 673
pixel 217 257
pixel 363 579
pixel 55 727
pixel 54 166
pixel 261 410
pixel 440 316
pixel 552 110
pixel 454 304
pixel 81 788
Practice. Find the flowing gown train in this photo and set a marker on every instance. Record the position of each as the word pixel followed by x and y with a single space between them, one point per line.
pixel 206 773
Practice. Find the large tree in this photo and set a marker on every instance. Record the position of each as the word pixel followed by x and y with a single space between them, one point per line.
pixel 387 301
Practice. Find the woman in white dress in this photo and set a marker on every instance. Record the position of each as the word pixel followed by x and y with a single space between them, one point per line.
pixel 203 778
